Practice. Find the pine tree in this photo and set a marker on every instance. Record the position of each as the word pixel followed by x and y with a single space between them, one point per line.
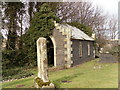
pixel 41 26
pixel 11 11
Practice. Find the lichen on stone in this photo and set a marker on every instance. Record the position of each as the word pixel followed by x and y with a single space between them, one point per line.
pixel 40 82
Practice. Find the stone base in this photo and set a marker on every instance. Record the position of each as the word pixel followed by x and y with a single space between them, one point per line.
pixel 50 86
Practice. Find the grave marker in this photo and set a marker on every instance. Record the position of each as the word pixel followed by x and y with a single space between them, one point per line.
pixel 42 63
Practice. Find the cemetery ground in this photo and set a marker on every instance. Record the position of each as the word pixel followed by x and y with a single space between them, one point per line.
pixel 92 74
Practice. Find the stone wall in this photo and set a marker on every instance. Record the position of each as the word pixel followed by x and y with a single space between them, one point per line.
pixel 62 36
pixel 85 57
pixel 60 55
pixel 67 50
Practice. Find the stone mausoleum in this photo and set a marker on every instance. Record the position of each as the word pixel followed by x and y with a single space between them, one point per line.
pixel 71 46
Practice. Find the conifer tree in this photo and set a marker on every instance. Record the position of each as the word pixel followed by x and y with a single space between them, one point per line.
pixel 41 25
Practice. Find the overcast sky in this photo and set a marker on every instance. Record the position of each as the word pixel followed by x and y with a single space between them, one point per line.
pixel 109 6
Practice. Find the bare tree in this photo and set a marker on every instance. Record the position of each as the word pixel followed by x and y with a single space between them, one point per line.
pixel 87 14
pixel 113 27
pixel 82 12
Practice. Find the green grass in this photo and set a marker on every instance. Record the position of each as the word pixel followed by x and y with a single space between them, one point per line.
pixel 81 76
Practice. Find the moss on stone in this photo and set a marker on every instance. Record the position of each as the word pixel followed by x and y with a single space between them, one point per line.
pixel 40 82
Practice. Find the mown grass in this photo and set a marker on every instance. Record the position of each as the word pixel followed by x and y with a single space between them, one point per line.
pixel 87 75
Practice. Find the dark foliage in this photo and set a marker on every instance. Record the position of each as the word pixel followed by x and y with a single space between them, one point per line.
pixel 16 73
pixel 42 25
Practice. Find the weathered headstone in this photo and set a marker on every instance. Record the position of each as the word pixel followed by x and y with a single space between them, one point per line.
pixel 42 79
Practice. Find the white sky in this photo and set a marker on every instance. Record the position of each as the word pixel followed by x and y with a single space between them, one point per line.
pixel 109 6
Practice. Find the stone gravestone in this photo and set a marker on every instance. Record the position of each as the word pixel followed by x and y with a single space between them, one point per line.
pixel 42 80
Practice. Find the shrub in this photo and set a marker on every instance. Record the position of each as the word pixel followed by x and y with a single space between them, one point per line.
pixel 12 58
pixel 16 73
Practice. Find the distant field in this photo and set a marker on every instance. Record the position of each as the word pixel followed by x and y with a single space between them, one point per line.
pixel 88 75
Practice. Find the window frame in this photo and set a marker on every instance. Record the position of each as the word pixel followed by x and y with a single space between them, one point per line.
pixel 89 50
pixel 80 49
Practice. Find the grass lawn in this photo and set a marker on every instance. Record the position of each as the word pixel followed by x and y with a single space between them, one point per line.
pixel 87 75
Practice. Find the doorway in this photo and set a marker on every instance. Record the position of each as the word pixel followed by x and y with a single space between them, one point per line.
pixel 50 52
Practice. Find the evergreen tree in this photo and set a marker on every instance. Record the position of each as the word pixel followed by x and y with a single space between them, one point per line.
pixel 12 9
pixel 41 26
pixel 53 5
pixel 31 9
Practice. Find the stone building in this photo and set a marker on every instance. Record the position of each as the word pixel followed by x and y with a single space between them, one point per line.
pixel 71 46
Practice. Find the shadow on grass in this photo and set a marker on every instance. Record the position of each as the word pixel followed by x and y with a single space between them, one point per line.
pixel 58 82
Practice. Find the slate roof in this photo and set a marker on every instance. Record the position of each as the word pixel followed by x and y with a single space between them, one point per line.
pixel 77 33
